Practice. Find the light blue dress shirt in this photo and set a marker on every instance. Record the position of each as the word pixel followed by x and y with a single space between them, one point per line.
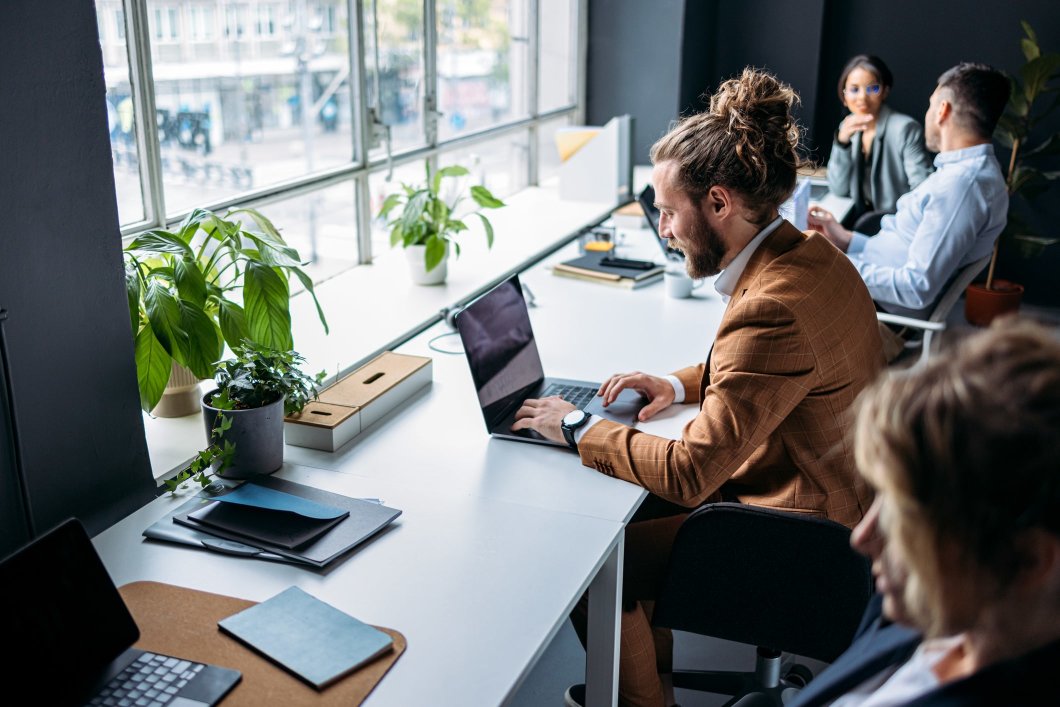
pixel 949 220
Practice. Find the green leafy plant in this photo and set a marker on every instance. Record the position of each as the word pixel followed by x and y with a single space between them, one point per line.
pixel 256 376
pixel 1016 130
pixel 183 285
pixel 427 219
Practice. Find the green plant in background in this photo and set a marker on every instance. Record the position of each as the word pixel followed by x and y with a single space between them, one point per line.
pixel 181 285
pixel 427 219
pixel 1016 130
pixel 256 376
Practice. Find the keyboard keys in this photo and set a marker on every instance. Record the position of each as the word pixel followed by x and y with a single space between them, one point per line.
pixel 149 681
pixel 578 396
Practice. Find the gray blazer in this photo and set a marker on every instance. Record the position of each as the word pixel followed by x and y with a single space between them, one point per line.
pixel 900 161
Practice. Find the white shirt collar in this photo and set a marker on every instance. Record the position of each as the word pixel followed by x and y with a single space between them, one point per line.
pixel 726 282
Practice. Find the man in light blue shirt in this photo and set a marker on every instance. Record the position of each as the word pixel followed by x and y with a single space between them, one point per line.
pixel 954 216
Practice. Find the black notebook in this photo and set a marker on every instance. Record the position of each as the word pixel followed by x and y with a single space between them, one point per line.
pixel 283 528
pixel 605 269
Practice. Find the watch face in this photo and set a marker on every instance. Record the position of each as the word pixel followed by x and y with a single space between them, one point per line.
pixel 574 418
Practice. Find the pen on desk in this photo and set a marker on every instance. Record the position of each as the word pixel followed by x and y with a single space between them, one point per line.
pixel 626 263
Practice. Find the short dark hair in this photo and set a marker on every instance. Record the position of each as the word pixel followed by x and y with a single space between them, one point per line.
pixel 980 93
pixel 870 63
pixel 746 141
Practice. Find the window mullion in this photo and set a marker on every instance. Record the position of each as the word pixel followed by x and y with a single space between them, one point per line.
pixel 138 45
pixel 582 46
pixel 533 99
pixel 430 72
pixel 362 129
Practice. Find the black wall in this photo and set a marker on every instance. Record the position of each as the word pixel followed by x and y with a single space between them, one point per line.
pixel 61 280
pixel 807 43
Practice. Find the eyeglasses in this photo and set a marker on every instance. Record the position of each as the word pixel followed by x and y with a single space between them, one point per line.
pixel 872 89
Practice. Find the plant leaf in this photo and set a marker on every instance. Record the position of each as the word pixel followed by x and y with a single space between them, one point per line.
pixel 397 234
pixel 132 292
pixel 204 340
pixel 233 322
pixel 451 171
pixel 163 313
pixel 307 283
pixel 191 285
pixel 455 226
pixel 271 253
pixel 266 300
pixel 268 229
pixel 389 203
pixel 434 253
pixel 158 241
pixel 1036 73
pixel 153 366
pixel 1029 31
pixel 484 198
pixel 489 230
pixel 1030 49
pixel 415 208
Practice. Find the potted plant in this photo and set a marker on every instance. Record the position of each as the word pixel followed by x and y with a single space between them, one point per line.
pixel 213 280
pixel 427 223
pixel 1025 179
pixel 244 414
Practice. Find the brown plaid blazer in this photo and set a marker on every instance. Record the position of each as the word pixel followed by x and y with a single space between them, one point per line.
pixel 797 343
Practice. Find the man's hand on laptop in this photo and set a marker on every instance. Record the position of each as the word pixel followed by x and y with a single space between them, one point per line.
pixel 657 390
pixel 543 415
pixel 822 221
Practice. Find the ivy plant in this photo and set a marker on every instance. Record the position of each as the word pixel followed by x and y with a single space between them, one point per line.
pixel 428 219
pixel 254 377
pixel 214 279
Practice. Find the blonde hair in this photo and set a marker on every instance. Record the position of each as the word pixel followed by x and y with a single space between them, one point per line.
pixel 746 141
pixel 967 452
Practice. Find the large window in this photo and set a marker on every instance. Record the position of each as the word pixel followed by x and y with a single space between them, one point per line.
pixel 298 106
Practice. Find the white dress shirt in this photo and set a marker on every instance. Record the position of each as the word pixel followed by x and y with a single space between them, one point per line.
pixel 949 220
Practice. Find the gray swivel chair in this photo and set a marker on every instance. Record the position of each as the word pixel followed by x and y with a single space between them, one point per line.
pixel 787 583
pixel 936 321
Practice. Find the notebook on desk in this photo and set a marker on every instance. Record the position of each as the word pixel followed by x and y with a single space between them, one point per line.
pixel 71 634
pixel 506 367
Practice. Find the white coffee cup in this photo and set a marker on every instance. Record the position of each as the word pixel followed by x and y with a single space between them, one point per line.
pixel 678 284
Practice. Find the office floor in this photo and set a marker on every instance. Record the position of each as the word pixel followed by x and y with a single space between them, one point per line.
pixel 563 664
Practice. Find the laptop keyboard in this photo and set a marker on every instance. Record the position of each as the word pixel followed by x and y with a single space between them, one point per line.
pixel 576 395
pixel 151 680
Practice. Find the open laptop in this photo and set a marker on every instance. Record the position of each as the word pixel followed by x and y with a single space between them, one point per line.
pixel 69 634
pixel 506 367
pixel 646 199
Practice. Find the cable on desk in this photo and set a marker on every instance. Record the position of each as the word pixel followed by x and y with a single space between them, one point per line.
pixel 432 347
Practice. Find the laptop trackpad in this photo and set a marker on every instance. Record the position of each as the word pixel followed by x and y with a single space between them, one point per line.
pixel 623 410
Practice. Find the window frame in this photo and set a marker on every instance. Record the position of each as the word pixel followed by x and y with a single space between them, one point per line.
pixel 138 40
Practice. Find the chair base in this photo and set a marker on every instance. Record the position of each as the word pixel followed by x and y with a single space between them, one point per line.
pixel 762 687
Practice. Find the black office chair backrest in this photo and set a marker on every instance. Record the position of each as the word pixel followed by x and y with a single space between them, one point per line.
pixel 787 581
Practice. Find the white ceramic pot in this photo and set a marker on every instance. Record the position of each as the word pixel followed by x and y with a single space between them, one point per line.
pixel 181 396
pixel 418 270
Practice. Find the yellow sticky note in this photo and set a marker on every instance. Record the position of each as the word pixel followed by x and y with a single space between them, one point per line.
pixel 599 246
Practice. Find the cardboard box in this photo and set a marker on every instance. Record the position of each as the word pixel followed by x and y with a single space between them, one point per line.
pixel 357 401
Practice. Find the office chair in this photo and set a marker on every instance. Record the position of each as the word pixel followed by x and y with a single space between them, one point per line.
pixel 868 223
pixel 936 321
pixel 784 582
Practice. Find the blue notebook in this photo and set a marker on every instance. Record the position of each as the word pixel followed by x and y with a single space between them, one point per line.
pixel 310 638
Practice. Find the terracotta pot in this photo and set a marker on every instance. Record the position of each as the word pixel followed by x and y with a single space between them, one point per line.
pixel 982 306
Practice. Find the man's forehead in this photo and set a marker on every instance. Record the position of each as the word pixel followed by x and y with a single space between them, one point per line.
pixel 662 179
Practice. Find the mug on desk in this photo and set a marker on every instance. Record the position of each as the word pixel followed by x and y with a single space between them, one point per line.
pixel 678 284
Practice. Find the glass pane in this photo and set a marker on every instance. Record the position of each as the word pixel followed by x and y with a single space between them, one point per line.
pixel 110 17
pixel 248 93
pixel 482 63
pixel 394 70
pixel 500 164
pixel 322 227
pixel 555 82
pixel 547 152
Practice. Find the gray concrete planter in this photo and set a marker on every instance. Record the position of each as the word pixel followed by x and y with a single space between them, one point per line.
pixel 257 434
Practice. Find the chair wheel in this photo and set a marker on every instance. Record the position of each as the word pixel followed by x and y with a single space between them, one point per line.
pixel 799 675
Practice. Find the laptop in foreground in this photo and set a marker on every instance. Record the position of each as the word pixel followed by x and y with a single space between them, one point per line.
pixel 506 367
pixel 71 635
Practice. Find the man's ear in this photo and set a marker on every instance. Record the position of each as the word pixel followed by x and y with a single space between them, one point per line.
pixel 717 202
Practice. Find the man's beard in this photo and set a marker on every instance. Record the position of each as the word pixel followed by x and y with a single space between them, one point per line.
pixel 704 251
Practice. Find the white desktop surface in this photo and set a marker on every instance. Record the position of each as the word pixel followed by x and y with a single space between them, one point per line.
pixel 498 538
pixel 478 586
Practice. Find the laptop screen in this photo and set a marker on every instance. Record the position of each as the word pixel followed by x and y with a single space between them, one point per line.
pixel 500 348
pixel 646 199
pixel 62 613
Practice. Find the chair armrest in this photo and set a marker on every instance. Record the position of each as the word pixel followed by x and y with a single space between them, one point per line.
pixel 910 322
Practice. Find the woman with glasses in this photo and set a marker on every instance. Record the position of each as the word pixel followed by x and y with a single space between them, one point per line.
pixel 878 154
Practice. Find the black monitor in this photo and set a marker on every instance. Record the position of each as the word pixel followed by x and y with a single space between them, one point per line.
pixel 646 199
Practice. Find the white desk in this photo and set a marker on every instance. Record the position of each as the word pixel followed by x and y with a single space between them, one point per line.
pixel 498 539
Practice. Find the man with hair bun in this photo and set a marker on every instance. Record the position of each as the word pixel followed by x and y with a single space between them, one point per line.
pixel 964 531
pixel 797 343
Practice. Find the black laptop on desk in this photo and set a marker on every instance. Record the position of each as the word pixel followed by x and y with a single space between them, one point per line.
pixel 506 367
pixel 71 635
pixel 646 199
